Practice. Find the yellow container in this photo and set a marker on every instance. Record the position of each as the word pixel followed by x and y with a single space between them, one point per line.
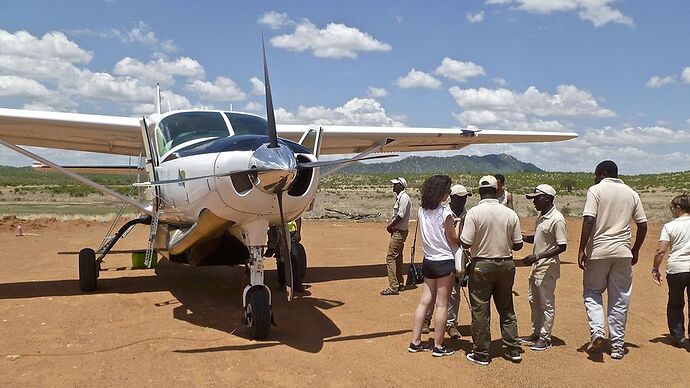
pixel 139 260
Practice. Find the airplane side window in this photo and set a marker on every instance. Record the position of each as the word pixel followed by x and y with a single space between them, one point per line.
pixel 245 124
pixel 185 126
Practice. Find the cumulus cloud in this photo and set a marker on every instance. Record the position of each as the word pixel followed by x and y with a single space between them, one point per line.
pixel 334 41
pixel 253 106
pixel 222 89
pixel 685 75
pixel 143 35
pixel 160 70
pixel 657 81
pixel 637 136
pixel 475 17
pixel 458 70
pixel 500 81
pixel 357 111
pixel 418 79
pixel 11 86
pixel 274 20
pixel 598 12
pixel 377 92
pixel 51 45
pixel 258 86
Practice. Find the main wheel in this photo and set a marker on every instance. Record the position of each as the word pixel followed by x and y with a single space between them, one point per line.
pixel 88 270
pixel 258 313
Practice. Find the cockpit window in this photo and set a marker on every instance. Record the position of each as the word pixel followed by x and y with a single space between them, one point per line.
pixel 244 124
pixel 185 126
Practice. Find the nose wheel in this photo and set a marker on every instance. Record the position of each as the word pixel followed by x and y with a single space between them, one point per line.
pixel 257 312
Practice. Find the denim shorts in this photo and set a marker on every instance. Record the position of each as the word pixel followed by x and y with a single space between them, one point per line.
pixel 432 269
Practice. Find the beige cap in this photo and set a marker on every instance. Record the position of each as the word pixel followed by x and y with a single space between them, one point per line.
pixel 402 181
pixel 460 191
pixel 542 189
pixel 488 181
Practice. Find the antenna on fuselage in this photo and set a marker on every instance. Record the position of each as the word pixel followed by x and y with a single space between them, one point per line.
pixel 157 102
pixel 270 115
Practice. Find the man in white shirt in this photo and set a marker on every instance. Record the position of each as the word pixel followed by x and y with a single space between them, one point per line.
pixel 606 256
pixel 549 241
pixel 398 229
pixel 491 232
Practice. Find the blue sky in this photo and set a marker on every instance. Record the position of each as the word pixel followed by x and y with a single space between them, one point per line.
pixel 616 72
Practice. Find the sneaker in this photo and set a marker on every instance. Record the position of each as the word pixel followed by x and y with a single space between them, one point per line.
pixel 617 353
pixel 388 291
pixel 680 342
pixel 401 288
pixel 541 344
pixel 595 344
pixel 530 339
pixel 453 332
pixel 421 347
pixel 513 355
pixel 478 358
pixel 442 351
pixel 426 327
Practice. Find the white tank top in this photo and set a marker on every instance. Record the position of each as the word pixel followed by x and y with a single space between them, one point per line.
pixel 436 247
pixel 503 198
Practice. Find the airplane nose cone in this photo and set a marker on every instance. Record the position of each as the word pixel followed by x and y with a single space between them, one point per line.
pixel 277 165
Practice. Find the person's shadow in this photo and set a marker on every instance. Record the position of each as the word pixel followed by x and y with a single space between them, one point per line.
pixel 667 339
pixel 599 356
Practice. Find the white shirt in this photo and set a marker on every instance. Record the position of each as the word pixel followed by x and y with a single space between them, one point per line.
pixel 431 222
pixel 491 229
pixel 548 234
pixel 677 233
pixel 613 204
pixel 402 209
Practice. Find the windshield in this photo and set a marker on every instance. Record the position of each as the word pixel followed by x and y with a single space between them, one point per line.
pixel 244 124
pixel 185 126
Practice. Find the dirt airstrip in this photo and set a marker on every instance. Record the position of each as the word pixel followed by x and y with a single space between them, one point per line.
pixel 179 326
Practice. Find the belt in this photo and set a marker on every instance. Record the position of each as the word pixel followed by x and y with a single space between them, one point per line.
pixel 493 258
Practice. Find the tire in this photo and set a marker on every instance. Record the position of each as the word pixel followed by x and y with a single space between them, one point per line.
pixel 258 313
pixel 88 270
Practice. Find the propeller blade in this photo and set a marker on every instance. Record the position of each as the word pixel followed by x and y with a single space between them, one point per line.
pixel 180 180
pixel 323 163
pixel 270 114
pixel 285 249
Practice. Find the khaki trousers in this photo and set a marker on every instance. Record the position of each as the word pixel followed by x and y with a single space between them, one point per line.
pixel 542 301
pixel 394 259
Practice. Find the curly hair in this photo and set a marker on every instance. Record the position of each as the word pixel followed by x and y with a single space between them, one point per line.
pixel 682 201
pixel 434 189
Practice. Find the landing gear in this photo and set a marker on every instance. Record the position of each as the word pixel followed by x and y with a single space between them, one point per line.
pixel 257 312
pixel 88 270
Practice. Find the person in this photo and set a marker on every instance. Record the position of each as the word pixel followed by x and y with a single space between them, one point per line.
pixel 297 255
pixel 398 229
pixel 439 241
pixel 458 200
pixel 675 236
pixel 550 240
pixel 491 232
pixel 503 196
pixel 605 255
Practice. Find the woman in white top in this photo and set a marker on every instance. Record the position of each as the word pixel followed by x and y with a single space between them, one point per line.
pixel 439 239
pixel 676 236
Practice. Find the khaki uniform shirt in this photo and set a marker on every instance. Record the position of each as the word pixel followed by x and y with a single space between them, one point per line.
pixel 548 234
pixel 491 229
pixel 402 209
pixel 613 204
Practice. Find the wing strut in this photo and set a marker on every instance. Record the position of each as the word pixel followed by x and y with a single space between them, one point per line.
pixel 79 178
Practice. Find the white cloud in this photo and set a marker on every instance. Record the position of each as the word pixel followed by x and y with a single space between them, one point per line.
pixel 52 45
pixel 258 86
pixel 685 76
pixel 418 79
pixel 254 107
pixel 377 92
pixel 500 81
pixel 357 111
pixel 274 20
pixel 222 89
pixel 143 35
pixel 475 17
pixel 160 70
pixel 11 86
pixel 458 70
pixel 335 41
pixel 657 82
pixel 598 12
pixel 637 136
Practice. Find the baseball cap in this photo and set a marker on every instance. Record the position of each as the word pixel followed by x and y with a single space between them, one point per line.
pixel 460 191
pixel 402 181
pixel 542 189
pixel 488 181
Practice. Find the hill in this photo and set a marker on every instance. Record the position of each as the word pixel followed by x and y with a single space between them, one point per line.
pixel 501 163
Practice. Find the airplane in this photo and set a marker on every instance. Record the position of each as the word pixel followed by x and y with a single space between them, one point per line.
pixel 216 180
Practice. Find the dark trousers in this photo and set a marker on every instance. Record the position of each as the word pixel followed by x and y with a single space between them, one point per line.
pixel 678 286
pixel 492 278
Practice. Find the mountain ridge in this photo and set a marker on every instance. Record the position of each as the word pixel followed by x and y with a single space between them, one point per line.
pixel 492 163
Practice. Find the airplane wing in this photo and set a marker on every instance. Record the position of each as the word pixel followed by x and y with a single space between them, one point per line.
pixel 72 131
pixel 353 139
